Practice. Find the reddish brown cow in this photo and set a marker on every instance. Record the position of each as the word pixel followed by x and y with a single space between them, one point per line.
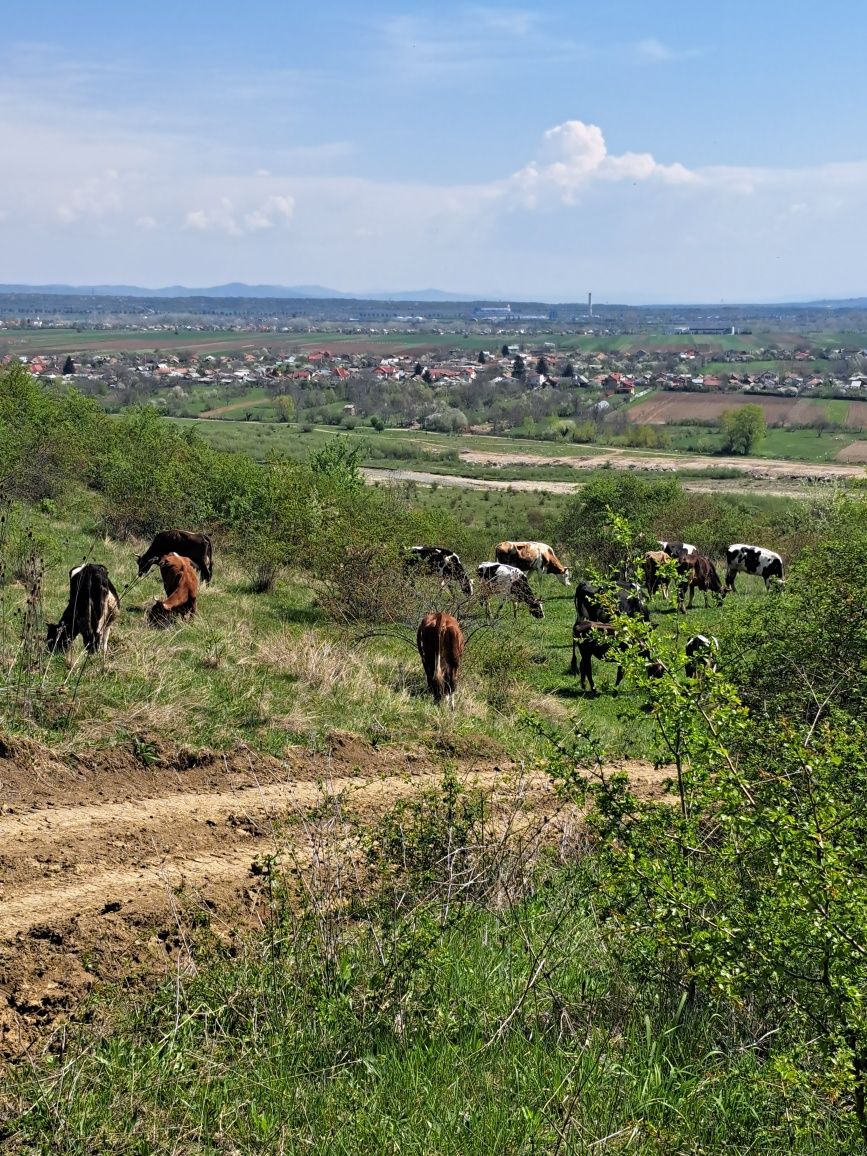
pixel 181 584
pixel 697 572
pixel 440 643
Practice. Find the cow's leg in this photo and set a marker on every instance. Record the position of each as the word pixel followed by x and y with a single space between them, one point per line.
pixel 731 574
pixel 587 671
pixel 573 667
pixel 618 678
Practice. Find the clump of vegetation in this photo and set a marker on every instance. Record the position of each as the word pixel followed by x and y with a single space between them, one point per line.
pixel 742 429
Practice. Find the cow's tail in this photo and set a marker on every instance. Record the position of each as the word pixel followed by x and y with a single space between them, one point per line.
pixel 208 559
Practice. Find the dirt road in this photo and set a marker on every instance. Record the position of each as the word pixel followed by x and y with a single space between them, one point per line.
pixel 108 859
pixel 772 477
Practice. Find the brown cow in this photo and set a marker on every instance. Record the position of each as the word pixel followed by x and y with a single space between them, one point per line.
pixel 654 560
pixel 697 572
pixel 181 584
pixel 440 643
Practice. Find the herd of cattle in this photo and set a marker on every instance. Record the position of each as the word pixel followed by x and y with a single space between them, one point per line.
pixel 594 633
pixel 183 557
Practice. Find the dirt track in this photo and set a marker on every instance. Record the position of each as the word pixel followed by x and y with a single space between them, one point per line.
pixel 108 859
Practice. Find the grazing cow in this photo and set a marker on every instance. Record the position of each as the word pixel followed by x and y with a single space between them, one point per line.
pixel 181 584
pixel 92 608
pixel 752 560
pixel 601 603
pixel 440 643
pixel 599 640
pixel 675 549
pixel 654 560
pixel 697 572
pixel 701 651
pixel 196 547
pixel 527 556
pixel 508 584
pixel 438 560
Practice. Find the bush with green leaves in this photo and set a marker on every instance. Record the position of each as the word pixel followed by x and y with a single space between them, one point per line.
pixel 747 883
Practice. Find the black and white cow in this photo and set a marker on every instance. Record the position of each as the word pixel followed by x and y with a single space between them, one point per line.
pixel 601 603
pixel 445 563
pixel 92 608
pixel 509 584
pixel 701 651
pixel 765 564
pixel 602 640
pixel 675 549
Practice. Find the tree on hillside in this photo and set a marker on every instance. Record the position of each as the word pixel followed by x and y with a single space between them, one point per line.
pixel 419 369
pixel 569 371
pixel 482 359
pixel 285 407
pixel 742 429
pixel 518 367
pixel 68 367
pixel 542 367
pixel 504 352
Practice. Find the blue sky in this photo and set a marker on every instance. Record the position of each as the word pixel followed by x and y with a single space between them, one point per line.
pixel 649 152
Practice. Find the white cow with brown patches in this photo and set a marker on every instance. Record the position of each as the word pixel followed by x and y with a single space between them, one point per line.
pixel 528 556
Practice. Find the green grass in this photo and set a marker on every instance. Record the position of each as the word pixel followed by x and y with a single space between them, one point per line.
pixel 426 1030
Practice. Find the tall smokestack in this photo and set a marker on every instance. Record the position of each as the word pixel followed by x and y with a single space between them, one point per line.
pixel 590 304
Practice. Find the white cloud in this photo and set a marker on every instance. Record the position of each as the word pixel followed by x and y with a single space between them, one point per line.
pixel 573 154
pixel 225 218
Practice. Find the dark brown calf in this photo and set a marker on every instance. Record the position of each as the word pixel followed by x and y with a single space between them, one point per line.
pixel 440 643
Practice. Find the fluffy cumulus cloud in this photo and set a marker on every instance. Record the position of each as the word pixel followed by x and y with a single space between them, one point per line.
pixel 574 154
pixel 234 221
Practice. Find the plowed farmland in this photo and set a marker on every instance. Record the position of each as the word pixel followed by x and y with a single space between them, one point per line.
pixel 669 408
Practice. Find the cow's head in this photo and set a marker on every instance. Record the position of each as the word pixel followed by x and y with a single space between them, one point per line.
pixel 466 585
pixel 57 636
pixel 564 577
pixel 535 608
pixel 143 566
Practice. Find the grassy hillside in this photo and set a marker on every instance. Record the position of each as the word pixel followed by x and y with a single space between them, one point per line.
pixel 660 949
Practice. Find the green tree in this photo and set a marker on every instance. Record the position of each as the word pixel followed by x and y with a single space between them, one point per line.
pixel 285 406
pixel 542 366
pixel 742 429
pixel 518 367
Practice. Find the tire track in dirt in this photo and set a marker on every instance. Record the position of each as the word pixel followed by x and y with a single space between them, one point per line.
pixel 108 865
pixel 63 862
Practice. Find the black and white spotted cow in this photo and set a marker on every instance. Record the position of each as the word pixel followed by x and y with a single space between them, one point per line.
pixel 765 564
pixel 509 584
pixel 93 606
pixel 701 654
pixel 441 561
pixel 675 549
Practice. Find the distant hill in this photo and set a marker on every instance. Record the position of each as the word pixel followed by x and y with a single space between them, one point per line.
pixel 239 289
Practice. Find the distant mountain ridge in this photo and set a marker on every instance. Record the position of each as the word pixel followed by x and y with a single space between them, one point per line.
pixel 240 289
